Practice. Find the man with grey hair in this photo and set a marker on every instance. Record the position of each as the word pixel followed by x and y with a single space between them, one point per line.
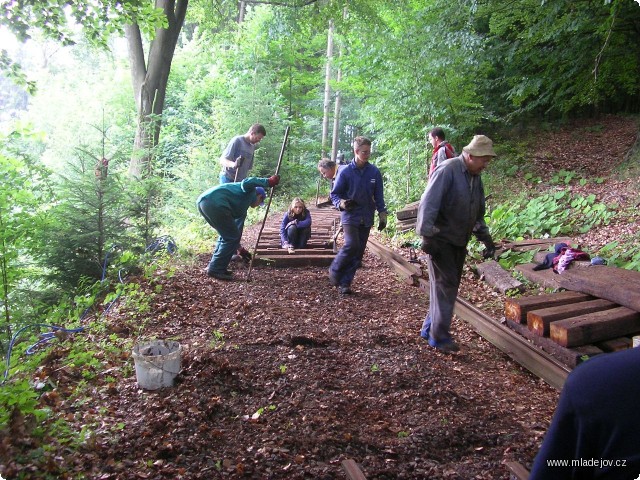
pixel 451 209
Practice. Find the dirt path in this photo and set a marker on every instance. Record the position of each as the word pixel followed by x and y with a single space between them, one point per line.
pixel 283 379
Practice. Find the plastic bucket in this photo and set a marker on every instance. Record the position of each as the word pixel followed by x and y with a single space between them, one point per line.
pixel 157 363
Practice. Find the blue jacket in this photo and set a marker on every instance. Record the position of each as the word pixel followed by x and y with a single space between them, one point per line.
pixel 303 222
pixel 452 206
pixel 365 187
pixel 596 420
pixel 234 197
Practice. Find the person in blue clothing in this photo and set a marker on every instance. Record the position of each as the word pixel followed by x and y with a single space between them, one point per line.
pixel 295 229
pixel 451 210
pixel 222 207
pixel 595 430
pixel 357 191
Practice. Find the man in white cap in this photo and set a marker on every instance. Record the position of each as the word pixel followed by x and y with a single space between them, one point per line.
pixel 451 210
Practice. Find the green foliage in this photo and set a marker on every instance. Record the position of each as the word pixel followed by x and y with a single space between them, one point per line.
pixel 553 214
pixel 24 195
pixel 562 57
pixel 19 396
pixel 98 19
pixel 623 254
pixel 87 223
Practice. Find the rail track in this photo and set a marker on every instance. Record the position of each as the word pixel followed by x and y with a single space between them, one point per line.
pixel 321 251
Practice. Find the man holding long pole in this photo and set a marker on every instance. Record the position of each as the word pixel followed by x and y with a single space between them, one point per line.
pixel 236 161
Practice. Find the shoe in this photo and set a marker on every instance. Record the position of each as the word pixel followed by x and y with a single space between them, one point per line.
pixel 226 275
pixel 236 258
pixel 448 346
pixel 291 250
pixel 345 290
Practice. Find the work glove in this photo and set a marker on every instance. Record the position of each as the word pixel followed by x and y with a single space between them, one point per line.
pixel 239 161
pixel 292 222
pixel 489 250
pixel 347 205
pixel 382 220
pixel 273 180
pixel 430 245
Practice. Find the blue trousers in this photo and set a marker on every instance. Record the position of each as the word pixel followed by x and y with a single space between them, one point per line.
pixel 347 261
pixel 298 237
pixel 445 272
pixel 240 221
pixel 228 235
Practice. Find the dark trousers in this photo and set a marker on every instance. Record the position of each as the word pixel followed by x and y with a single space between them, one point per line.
pixel 344 265
pixel 445 272
pixel 228 235
pixel 298 237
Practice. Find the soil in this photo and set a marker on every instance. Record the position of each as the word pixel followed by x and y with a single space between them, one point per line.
pixel 283 378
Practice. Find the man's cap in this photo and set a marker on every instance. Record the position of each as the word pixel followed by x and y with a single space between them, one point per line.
pixel 261 191
pixel 480 146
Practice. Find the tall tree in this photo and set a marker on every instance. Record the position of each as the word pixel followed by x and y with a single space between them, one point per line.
pixel 150 79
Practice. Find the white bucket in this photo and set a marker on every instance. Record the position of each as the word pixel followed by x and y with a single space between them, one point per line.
pixel 636 341
pixel 157 363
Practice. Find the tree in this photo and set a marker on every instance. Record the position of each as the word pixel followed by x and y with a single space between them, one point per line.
pixel 23 198
pixel 150 80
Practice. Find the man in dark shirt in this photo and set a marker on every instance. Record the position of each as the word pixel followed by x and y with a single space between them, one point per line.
pixel 451 210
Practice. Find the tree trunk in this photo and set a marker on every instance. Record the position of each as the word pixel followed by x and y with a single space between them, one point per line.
pixel 327 89
pixel 336 118
pixel 150 81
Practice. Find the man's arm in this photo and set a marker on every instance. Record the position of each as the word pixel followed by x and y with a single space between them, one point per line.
pixel 225 162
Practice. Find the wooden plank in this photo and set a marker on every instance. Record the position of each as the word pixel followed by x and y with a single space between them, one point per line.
pixel 517 471
pixel 539 320
pixel 285 260
pixel 611 283
pixel 549 369
pixel 586 352
pixel 516 309
pixel 498 277
pixel 595 327
pixel 567 356
pixel 615 344
pixel 545 278
pixel 408 211
pixel 535 243
pixel 352 470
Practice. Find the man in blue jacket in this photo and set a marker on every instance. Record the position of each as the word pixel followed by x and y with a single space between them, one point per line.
pixel 595 431
pixel 357 192
pixel 224 207
pixel 451 210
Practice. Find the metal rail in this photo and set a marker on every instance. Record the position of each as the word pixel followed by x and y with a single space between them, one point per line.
pixel 515 346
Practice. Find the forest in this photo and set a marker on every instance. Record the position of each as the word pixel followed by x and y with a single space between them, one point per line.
pixel 114 115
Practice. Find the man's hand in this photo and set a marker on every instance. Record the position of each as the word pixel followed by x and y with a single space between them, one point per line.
pixel 347 205
pixel 430 246
pixel 489 250
pixel 238 162
pixel 273 180
pixel 382 220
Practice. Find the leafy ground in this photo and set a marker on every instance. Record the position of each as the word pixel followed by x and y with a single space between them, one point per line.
pixel 282 378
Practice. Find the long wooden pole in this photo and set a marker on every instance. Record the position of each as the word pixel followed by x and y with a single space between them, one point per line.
pixel 266 213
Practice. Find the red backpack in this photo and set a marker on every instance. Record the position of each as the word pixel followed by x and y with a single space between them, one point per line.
pixel 448 151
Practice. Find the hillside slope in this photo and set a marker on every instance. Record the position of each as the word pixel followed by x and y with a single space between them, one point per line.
pixel 282 378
